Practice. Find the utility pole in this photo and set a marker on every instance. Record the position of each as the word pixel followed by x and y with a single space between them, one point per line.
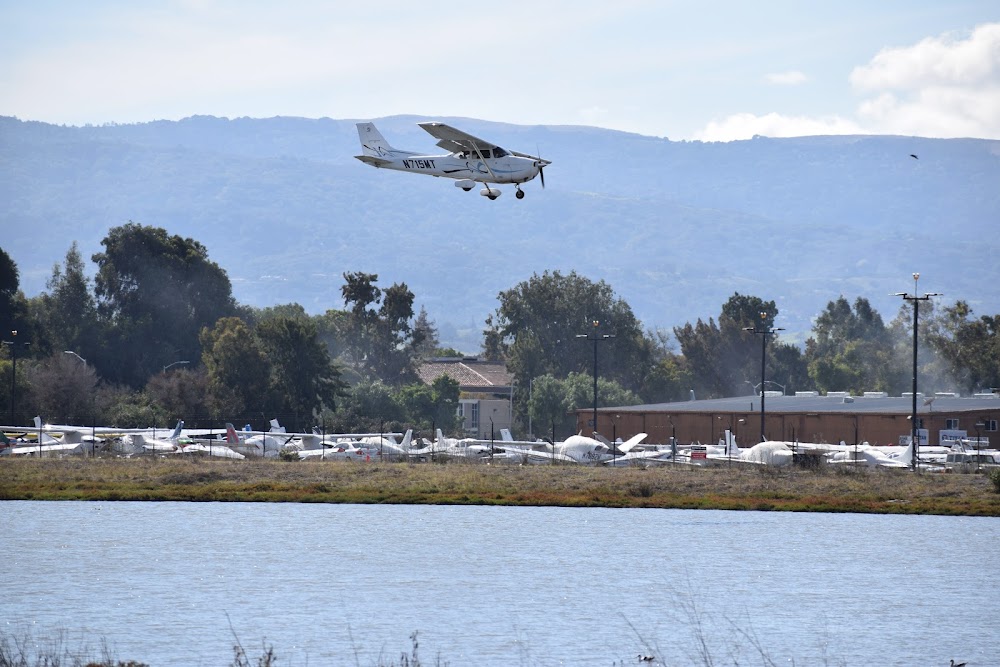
pixel 764 332
pixel 596 337
pixel 914 440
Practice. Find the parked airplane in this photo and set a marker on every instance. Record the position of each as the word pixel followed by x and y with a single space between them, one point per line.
pixel 470 160
pixel 574 449
pixel 72 442
pixel 138 443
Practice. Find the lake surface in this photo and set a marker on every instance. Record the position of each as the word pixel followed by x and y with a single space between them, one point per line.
pixel 170 584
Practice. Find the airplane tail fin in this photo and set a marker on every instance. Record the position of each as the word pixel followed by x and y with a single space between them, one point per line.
pixel 373 144
pixel 231 437
pixel 631 443
pixel 440 436
pixel 732 449
pixel 406 439
pixel 177 430
pixel 506 435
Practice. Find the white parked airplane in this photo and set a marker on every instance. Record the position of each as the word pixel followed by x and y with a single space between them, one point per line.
pixel 72 442
pixel 469 160
pixel 574 449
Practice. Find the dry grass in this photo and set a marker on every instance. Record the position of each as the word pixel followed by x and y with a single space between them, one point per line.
pixel 884 491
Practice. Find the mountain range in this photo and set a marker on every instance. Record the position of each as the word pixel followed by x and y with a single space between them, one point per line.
pixel 674 227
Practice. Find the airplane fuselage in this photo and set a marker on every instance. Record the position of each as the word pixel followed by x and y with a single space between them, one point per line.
pixel 508 169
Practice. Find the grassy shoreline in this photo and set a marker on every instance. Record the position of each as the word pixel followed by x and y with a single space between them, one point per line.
pixel 200 480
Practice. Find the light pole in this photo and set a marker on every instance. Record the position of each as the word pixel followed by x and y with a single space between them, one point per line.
pixel 77 356
pixel 93 410
pixel 979 427
pixel 916 318
pixel 596 337
pixel 13 372
pixel 764 332
pixel 174 364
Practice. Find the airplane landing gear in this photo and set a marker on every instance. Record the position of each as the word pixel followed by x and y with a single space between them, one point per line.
pixel 519 194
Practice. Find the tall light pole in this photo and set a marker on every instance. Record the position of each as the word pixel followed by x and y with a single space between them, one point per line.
pixel 916 318
pixel 764 332
pixel 596 337
pixel 13 372
pixel 93 411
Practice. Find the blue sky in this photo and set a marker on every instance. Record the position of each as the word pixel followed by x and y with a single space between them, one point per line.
pixel 715 70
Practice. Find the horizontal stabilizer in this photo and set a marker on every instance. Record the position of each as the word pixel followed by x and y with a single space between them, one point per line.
pixel 372 160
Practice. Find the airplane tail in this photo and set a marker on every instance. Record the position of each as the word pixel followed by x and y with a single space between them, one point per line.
pixel 177 430
pixel 373 144
pixel 506 435
pixel 732 449
pixel 406 439
pixel 231 437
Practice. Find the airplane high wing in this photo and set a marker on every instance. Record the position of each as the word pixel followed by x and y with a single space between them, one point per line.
pixel 469 160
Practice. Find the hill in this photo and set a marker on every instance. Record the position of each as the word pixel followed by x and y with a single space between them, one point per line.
pixel 674 227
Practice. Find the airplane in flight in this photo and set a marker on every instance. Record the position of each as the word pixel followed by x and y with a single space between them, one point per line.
pixel 469 160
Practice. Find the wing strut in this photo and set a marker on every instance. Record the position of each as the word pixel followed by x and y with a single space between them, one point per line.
pixel 486 164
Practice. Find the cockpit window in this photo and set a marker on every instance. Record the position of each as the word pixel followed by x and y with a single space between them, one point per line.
pixel 499 152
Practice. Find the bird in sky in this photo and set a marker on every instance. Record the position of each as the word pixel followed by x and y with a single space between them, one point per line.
pixel 914 156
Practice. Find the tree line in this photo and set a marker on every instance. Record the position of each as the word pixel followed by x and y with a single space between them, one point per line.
pixel 157 335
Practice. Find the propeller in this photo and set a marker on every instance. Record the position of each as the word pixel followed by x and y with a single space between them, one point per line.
pixel 541 164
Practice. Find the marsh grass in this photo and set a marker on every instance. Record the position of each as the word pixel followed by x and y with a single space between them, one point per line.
pixel 736 488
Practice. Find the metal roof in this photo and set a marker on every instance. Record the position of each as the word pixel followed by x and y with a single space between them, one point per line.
pixel 894 405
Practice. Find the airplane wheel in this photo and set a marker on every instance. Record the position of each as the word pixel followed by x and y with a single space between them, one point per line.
pixel 520 194
pixel 492 198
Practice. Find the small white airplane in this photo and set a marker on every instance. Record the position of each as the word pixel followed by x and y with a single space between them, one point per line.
pixel 72 442
pixel 469 160
pixel 574 449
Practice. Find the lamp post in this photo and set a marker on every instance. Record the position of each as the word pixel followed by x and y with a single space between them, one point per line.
pixel 13 371
pixel 979 427
pixel 916 318
pixel 93 410
pixel 764 332
pixel 174 364
pixel 596 337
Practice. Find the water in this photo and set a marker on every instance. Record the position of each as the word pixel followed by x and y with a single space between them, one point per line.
pixel 170 584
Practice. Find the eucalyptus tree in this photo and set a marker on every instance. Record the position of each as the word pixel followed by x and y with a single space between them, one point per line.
pixel 724 358
pixel 968 346
pixel 378 338
pixel 851 349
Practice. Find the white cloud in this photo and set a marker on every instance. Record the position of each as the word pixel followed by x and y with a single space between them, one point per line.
pixel 943 86
pixel 746 125
pixel 791 78
pixel 940 87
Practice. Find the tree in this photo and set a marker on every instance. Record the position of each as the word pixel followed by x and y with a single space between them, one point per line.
pixel 380 342
pixel 432 406
pixel 13 306
pixel 538 326
pixel 723 358
pixel 850 349
pixel 424 329
pixel 67 312
pixel 62 389
pixel 155 293
pixel 183 393
pixel 549 404
pixel 238 370
pixel 303 378
pixel 969 347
